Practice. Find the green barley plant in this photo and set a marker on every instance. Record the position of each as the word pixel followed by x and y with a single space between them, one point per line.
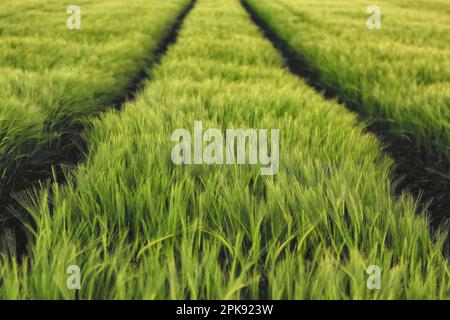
pixel 140 227
pixel 398 76
pixel 53 78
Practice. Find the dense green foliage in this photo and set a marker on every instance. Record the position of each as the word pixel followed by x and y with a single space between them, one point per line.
pixel 141 227
pixel 398 76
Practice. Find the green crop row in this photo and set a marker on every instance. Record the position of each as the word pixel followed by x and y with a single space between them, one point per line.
pixel 52 78
pixel 397 76
pixel 139 226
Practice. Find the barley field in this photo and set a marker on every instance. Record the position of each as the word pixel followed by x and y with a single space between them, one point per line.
pixel 88 125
